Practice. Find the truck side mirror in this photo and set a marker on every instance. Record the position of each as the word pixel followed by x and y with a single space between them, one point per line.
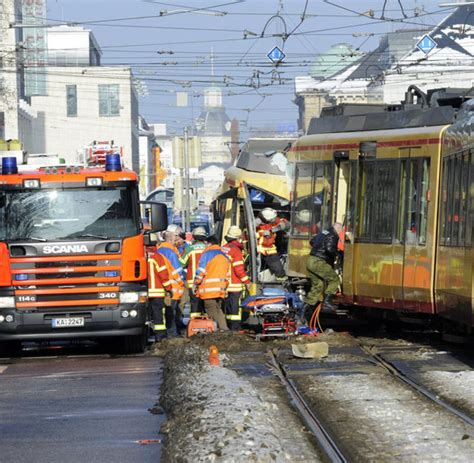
pixel 158 217
pixel 150 239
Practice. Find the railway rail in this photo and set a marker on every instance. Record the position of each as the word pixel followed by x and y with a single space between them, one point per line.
pixel 420 388
pixel 372 399
pixel 327 443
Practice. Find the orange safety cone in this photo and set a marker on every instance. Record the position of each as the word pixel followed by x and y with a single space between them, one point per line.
pixel 214 355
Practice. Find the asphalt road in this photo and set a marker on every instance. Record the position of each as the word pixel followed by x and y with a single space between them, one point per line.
pixel 79 408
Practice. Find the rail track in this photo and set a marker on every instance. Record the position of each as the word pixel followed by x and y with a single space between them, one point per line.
pixel 335 430
pixel 326 442
pixel 420 388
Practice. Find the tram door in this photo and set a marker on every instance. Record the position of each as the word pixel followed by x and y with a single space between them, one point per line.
pixel 344 177
pixel 235 208
pixel 414 256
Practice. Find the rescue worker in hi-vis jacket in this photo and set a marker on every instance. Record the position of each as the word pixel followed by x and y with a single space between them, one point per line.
pixel 166 277
pixel 268 225
pixel 239 278
pixel 190 261
pixel 211 281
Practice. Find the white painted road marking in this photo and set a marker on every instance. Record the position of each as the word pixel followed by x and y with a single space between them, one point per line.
pixel 3 368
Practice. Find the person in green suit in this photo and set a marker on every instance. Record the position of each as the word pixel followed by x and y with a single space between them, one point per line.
pixel 320 266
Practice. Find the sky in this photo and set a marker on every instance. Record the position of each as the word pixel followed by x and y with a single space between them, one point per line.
pixel 225 43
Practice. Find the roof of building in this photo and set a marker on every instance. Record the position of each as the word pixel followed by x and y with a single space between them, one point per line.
pixel 454 38
pixel 213 121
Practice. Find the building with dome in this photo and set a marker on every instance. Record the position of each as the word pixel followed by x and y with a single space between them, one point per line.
pixel 310 97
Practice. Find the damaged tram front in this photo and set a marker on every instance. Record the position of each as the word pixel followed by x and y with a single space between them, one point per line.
pixel 259 179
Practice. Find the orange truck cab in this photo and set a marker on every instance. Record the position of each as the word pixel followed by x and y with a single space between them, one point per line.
pixel 72 255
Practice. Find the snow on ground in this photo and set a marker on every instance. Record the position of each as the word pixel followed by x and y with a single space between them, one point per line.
pixel 382 420
pixel 216 415
pixel 458 387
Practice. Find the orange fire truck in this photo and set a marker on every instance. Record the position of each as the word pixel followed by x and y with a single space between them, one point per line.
pixel 72 256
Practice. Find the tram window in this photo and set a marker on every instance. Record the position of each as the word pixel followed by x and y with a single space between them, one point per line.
pixel 412 225
pixel 349 223
pixel 326 192
pixel 456 201
pixel 402 202
pixel 470 201
pixel 368 149
pixel 303 207
pixel 449 200
pixel 384 201
pixel 424 200
pixel 312 198
pixel 456 213
pixel 417 190
pixel 464 194
pixel 444 203
pixel 365 199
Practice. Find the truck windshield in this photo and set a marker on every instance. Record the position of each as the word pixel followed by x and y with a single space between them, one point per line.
pixel 67 214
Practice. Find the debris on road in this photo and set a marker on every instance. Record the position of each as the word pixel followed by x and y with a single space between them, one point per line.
pixel 313 350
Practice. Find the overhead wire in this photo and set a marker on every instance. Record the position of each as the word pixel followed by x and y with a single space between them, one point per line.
pixel 183 65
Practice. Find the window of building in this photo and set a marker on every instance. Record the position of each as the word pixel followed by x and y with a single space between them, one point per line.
pixel 109 102
pixel 71 99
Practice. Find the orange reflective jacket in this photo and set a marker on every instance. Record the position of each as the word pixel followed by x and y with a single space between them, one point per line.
pixel 175 270
pixel 239 277
pixel 159 281
pixel 266 236
pixel 213 274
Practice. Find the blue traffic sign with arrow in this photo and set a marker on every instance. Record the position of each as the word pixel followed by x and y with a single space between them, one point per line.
pixel 276 55
pixel 426 44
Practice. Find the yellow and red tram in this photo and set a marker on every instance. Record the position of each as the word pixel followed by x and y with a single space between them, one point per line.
pixel 400 179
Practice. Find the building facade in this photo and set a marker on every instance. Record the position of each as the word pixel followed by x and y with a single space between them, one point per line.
pixel 86 104
pixel 59 99
pixel 11 71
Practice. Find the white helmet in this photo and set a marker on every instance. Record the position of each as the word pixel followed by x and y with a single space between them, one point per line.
pixel 234 232
pixel 173 228
pixel 199 233
pixel 268 214
pixel 303 216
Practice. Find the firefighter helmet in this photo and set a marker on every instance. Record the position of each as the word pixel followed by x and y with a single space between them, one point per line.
pixel 173 228
pixel 303 216
pixel 199 233
pixel 234 233
pixel 268 214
